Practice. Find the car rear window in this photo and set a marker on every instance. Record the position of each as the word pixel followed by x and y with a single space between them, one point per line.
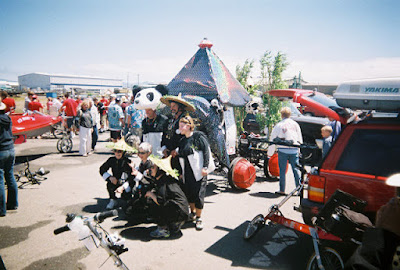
pixel 374 152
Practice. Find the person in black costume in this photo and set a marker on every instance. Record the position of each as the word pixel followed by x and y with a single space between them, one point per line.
pixel 172 134
pixel 194 157
pixel 121 171
pixel 138 184
pixel 170 209
pixel 153 127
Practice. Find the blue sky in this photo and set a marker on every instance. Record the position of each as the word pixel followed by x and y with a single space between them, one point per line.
pixel 328 41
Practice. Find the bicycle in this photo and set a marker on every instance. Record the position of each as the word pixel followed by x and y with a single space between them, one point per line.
pixel 64 144
pixel 33 177
pixel 93 235
pixel 322 256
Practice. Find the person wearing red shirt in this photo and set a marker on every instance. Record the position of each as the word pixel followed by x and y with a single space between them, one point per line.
pixel 9 102
pixel 103 116
pixel 69 106
pixel 78 100
pixel 35 105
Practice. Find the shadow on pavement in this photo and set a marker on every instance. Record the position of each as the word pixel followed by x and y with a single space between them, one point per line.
pixel 67 260
pixel 266 194
pixel 12 236
pixel 138 233
pixel 143 234
pixel 86 207
pixel 273 247
pixel 23 159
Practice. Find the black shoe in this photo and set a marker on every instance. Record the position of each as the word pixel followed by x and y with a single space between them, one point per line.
pixel 12 208
pixel 280 193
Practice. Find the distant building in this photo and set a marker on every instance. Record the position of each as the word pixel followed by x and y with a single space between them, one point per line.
pixel 299 83
pixel 42 82
pixel 10 86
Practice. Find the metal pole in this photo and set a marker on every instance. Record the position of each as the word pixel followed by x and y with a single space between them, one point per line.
pixel 138 79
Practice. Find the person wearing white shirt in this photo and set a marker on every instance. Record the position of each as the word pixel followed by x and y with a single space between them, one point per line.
pixel 96 121
pixel 289 131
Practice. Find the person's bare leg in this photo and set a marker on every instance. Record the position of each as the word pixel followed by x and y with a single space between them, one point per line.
pixel 198 212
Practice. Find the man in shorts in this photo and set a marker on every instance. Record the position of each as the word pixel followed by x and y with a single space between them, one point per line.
pixel 115 120
pixel 69 106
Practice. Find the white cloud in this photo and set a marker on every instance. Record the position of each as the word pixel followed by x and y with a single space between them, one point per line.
pixel 338 71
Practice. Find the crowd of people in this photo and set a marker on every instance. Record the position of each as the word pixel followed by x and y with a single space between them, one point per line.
pixel 174 163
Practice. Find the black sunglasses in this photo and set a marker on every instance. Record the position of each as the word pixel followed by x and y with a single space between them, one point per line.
pixel 142 153
pixel 118 151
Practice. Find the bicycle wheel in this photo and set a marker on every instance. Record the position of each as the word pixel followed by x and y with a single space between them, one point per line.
pixel 57 132
pixel 330 259
pixel 254 226
pixel 64 145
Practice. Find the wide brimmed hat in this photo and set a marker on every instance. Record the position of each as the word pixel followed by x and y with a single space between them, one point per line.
pixel 165 165
pixel 121 145
pixel 394 180
pixel 2 106
pixel 178 99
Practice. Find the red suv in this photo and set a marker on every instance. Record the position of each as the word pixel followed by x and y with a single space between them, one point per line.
pixel 361 159
pixel 365 153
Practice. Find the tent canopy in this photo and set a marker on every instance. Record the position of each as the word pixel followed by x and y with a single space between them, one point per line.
pixel 205 75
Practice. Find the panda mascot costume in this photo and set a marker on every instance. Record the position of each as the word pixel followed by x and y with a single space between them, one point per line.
pixel 154 124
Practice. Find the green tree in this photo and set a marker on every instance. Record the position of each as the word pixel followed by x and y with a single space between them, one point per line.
pixel 271 69
pixel 242 75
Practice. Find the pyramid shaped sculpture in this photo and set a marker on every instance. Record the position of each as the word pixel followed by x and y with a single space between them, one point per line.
pixel 205 75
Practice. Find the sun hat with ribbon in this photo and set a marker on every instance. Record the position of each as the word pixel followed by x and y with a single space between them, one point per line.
pixel 121 145
pixel 165 165
pixel 178 99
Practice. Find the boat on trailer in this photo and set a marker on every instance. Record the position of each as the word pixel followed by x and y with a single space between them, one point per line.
pixel 31 124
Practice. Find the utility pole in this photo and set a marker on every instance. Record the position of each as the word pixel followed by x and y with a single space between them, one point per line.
pixel 127 80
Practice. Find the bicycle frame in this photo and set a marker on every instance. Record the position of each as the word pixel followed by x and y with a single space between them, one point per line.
pixel 276 216
pixel 87 227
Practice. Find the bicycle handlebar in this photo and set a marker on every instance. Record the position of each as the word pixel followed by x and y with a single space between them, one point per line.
pixel 61 229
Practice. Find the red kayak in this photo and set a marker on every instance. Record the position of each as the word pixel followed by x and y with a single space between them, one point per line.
pixel 32 124
pixel 318 101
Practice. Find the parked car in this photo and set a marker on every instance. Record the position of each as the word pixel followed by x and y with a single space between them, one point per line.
pixel 363 155
pixel 361 159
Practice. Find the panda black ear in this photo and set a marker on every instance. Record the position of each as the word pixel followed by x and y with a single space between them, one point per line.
pixel 162 89
pixel 135 90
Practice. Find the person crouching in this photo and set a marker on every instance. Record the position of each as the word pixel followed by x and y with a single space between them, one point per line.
pixel 121 171
pixel 137 184
pixel 171 208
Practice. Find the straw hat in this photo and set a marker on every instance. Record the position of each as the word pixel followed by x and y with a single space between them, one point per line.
pixel 2 106
pixel 121 145
pixel 394 180
pixel 178 99
pixel 165 165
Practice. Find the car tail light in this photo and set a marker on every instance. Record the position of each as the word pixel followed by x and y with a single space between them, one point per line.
pixel 316 188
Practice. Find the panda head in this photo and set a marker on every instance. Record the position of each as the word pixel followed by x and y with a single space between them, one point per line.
pixel 149 98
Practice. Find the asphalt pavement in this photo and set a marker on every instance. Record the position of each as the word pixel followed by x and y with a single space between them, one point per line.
pixel 74 185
